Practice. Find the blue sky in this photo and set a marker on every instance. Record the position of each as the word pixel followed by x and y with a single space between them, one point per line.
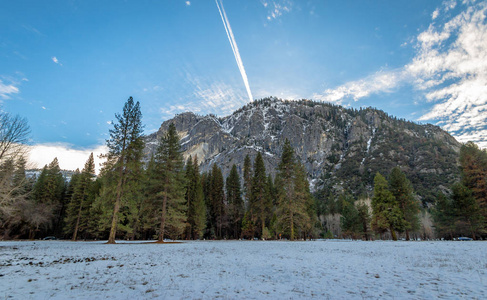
pixel 69 66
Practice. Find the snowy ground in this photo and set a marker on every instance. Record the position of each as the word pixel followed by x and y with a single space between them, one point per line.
pixel 243 269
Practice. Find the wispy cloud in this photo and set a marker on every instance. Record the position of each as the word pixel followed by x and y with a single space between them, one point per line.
pixel 7 89
pixel 277 8
pixel 435 14
pixel 453 75
pixel 69 158
pixel 217 98
pixel 32 29
pixel 188 3
pixel 449 69
pixel 233 44
pixel 382 81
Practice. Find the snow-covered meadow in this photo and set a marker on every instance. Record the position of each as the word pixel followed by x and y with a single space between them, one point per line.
pixel 243 269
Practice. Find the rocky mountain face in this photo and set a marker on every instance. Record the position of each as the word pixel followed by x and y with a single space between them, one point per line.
pixel 342 149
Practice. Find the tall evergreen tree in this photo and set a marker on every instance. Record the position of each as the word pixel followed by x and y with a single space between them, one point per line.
pixel 349 220
pixel 78 208
pixel 402 190
pixel 125 148
pixel 235 202
pixel 48 193
pixel 473 167
pixel 189 173
pixel 247 181
pixel 385 209
pixel 170 185
pixel 294 206
pixel 444 216
pixel 206 179
pixel 260 205
pixel 195 200
pixel 467 212
pixel 217 208
pixel 364 219
pixel 307 219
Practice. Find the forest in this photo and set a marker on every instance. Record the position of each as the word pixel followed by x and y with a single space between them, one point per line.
pixel 167 197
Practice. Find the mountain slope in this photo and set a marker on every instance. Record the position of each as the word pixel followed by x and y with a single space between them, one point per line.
pixel 341 148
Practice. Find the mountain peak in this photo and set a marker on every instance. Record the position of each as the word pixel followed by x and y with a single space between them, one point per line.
pixel 341 148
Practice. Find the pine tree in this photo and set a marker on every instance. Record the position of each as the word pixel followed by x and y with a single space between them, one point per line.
pixel 402 190
pixel 190 192
pixel 444 216
pixel 247 178
pixel 364 219
pixel 48 193
pixel 80 203
pixel 69 194
pixel 123 159
pixel 195 200
pixel 21 185
pixel 235 202
pixel 217 208
pixel 473 167
pixel 349 220
pixel 170 186
pixel 468 217
pixel 260 205
pixel 150 216
pixel 307 218
pixel 206 179
pixel 386 213
pixel 295 204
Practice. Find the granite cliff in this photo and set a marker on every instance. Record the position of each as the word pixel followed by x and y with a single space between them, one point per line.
pixel 341 148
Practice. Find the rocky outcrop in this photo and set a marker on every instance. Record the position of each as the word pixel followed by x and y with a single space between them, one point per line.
pixel 341 148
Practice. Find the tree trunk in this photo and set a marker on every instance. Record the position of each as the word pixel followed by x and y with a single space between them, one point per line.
pixel 113 229
pixel 292 227
pixel 118 199
pixel 473 232
pixel 393 233
pixel 76 227
pixel 365 231
pixel 407 235
pixel 163 215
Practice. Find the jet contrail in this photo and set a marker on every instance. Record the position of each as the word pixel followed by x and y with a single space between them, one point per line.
pixel 233 44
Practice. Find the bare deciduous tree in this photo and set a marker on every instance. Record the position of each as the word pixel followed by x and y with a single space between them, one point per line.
pixel 14 132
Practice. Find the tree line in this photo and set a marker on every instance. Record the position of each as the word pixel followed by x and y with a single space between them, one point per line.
pixel 166 196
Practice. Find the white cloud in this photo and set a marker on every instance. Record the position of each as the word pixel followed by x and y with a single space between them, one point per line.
pixel 451 4
pixel 449 69
pixel 382 81
pixel 69 158
pixel 56 61
pixel 435 14
pixel 188 3
pixel 277 8
pixel 454 75
pixel 7 89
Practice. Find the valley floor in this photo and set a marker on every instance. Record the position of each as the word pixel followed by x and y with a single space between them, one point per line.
pixel 243 269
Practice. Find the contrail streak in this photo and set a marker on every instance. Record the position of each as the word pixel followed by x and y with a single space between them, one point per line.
pixel 233 44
